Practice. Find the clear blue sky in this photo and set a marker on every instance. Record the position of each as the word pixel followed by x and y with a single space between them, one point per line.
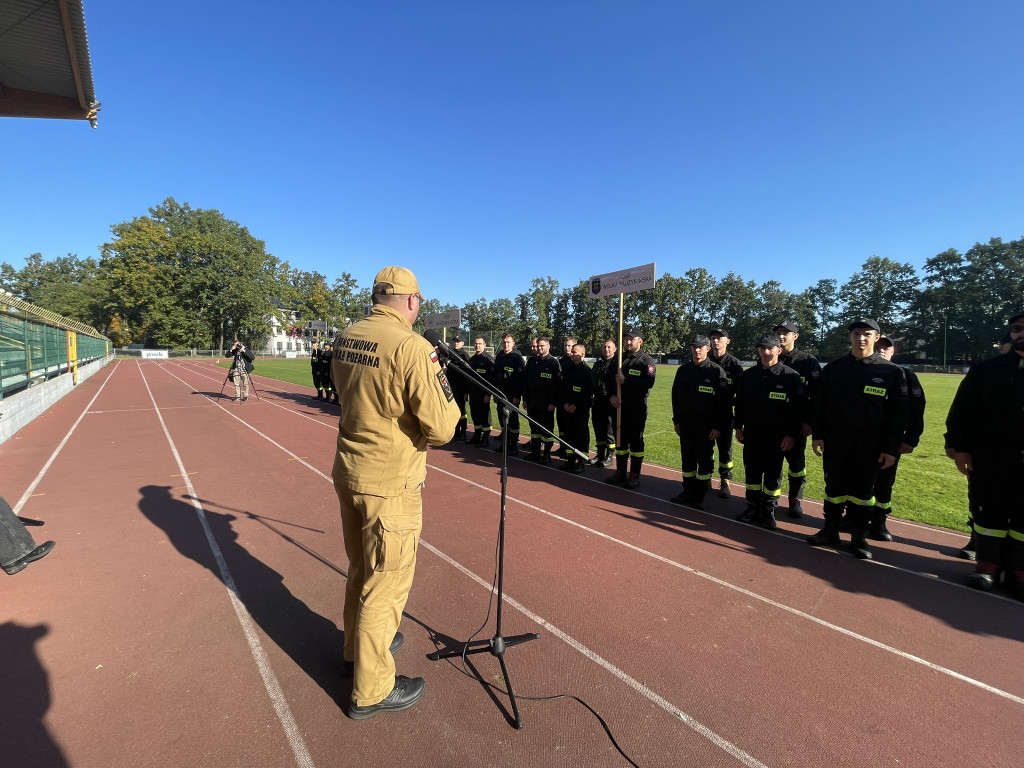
pixel 485 143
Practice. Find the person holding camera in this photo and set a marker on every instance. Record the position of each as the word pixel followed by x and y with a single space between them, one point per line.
pixel 241 367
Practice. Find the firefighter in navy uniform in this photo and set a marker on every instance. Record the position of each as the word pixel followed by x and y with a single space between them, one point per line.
pixel 769 415
pixel 809 369
pixel 314 367
pixel 577 395
pixel 911 437
pixel 701 410
pixel 733 368
pixel 634 381
pixel 479 399
pixel 330 395
pixel 459 384
pixel 561 417
pixel 510 378
pixel 860 417
pixel 602 414
pixel 985 439
pixel 543 382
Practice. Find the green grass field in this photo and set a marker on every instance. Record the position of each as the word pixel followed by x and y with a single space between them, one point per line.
pixel 928 487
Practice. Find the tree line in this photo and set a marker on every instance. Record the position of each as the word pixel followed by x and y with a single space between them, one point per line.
pixel 190 278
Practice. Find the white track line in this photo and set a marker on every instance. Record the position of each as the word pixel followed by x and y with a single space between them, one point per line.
pixel 270 682
pixel 56 451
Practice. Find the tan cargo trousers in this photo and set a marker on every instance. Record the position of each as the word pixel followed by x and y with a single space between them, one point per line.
pixel 381 537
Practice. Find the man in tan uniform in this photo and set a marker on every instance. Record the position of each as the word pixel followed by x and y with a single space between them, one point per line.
pixel 395 400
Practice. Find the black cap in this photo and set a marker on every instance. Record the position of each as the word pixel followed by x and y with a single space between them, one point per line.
pixel 769 341
pixel 884 341
pixel 865 322
pixel 456 338
pixel 700 341
pixel 719 332
pixel 636 333
pixel 789 325
pixel 1019 314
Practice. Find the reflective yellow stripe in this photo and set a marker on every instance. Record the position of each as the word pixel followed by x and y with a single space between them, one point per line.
pixel 689 474
pixel 801 473
pixel 1016 535
pixel 755 488
pixel 883 504
pixel 703 477
pixel 769 492
pixel 990 532
pixel 862 502
pixel 725 466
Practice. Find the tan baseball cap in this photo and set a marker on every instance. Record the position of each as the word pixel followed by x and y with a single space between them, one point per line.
pixel 396 280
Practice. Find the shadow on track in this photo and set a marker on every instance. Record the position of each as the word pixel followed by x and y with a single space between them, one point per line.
pixel 313 642
pixel 25 700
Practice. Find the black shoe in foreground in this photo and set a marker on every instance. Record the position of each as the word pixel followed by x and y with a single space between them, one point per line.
pixel 632 482
pixel 348 668
pixel 407 691
pixel 36 554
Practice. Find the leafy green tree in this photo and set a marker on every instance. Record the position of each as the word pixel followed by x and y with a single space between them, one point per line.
pixel 883 290
pixel 189 277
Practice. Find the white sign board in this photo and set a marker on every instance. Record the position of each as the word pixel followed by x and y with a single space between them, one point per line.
pixel 451 319
pixel 154 353
pixel 626 281
pixel 317 325
pixel 290 355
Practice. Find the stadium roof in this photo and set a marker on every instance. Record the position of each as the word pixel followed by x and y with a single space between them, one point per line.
pixel 44 61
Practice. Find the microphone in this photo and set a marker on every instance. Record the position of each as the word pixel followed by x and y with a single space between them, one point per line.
pixel 434 337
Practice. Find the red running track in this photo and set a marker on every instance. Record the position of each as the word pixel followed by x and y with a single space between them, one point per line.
pixel 189 613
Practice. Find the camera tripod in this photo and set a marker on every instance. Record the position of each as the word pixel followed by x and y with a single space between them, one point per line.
pixel 239 364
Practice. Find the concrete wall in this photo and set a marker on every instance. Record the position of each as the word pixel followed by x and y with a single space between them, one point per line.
pixel 18 410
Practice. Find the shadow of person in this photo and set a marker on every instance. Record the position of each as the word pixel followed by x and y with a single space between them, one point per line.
pixel 313 642
pixel 25 701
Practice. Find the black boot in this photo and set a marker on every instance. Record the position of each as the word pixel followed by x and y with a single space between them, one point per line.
pixel 752 514
pixel 877 529
pixel 988 570
pixel 796 496
pixel 700 488
pixel 634 472
pixel 534 449
pixel 545 457
pixel 608 457
pixel 859 517
pixel 769 506
pixel 968 552
pixel 621 472
pixel 827 536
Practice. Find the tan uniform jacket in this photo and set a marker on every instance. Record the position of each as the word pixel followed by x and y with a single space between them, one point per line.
pixel 394 399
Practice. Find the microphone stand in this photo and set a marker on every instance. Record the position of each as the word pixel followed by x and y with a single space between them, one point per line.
pixel 497 645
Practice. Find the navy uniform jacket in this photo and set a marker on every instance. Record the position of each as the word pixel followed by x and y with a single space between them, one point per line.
pixel 577 386
pixel 986 417
pixel 510 374
pixel 543 381
pixel 862 398
pixel 483 364
pixel 770 400
pixel 809 368
pixel 915 409
pixel 701 398
pixel 639 370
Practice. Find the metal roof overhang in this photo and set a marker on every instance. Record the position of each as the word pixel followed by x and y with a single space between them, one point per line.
pixel 44 61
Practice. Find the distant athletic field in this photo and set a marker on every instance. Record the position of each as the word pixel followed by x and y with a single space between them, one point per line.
pixel 928 487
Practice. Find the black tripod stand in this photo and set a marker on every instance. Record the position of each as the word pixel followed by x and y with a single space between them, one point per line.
pixel 498 643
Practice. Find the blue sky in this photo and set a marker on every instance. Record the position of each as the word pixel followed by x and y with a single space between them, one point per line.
pixel 483 144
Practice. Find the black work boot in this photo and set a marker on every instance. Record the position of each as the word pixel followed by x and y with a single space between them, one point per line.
pixel 796 496
pixel 859 517
pixel 877 529
pixel 621 474
pixel 534 449
pixel 770 506
pixel 545 457
pixel 752 514
pixel 635 462
pixel 829 535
